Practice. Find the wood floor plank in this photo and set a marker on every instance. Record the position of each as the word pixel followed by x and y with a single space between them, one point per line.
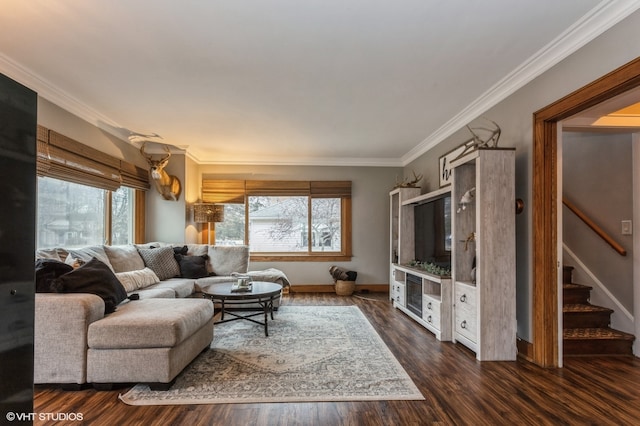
pixel 458 389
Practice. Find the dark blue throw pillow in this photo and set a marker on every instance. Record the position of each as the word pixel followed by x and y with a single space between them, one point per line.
pixel 192 266
pixel 181 250
pixel 93 277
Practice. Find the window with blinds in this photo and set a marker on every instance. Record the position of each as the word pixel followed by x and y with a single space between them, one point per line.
pixel 284 220
pixel 63 158
pixel 86 197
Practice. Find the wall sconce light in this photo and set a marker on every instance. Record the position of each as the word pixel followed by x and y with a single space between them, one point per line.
pixel 208 213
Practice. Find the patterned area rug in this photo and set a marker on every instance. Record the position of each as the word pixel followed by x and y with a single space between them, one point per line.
pixel 313 353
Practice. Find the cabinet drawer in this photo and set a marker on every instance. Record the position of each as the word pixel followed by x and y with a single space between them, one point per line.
pixel 465 311
pixel 465 297
pixel 398 294
pixel 466 325
pixel 431 311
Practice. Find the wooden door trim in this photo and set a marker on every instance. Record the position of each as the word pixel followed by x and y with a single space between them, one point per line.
pixel 544 202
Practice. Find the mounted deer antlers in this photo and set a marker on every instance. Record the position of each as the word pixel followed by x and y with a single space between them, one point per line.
pixel 406 183
pixel 490 141
pixel 167 185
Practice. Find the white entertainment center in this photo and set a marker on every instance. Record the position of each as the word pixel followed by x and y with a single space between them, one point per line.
pixel 474 303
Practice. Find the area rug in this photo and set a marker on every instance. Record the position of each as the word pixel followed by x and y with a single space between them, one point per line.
pixel 313 353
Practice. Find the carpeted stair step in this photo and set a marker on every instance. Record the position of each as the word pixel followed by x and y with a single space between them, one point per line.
pixel 575 293
pixel 596 341
pixel 584 315
pixel 567 272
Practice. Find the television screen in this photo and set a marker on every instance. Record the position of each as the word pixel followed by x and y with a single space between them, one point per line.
pixel 433 231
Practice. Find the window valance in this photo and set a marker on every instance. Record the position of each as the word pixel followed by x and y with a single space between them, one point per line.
pixel 223 191
pixel 234 191
pixel 63 158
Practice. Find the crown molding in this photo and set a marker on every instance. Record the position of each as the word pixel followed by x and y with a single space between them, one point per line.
pixel 599 19
pixel 52 93
pixel 305 161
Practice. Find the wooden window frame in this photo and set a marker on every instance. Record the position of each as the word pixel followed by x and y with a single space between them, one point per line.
pixel 238 191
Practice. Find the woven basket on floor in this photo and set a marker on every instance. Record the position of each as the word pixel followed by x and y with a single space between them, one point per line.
pixel 345 288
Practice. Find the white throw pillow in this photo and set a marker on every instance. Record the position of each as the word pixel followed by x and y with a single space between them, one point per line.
pixel 136 280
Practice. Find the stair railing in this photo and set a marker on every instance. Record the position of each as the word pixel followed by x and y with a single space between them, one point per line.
pixel 591 224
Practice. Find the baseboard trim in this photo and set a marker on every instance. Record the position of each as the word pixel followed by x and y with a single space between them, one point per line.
pixel 525 349
pixel 330 288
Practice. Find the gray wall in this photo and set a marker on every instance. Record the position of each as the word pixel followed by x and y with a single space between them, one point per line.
pixel 515 117
pixel 597 178
pixel 370 211
pixel 166 220
pixel 67 124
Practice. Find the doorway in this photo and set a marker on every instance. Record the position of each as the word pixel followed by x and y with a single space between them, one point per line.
pixel 546 256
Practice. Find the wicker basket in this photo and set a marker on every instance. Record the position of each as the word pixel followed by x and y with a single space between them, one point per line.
pixel 345 288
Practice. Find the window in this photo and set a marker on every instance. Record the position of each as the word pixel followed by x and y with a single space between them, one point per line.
pixel 231 231
pixel 278 224
pixel 284 220
pixel 85 197
pixel 122 216
pixel 69 214
pixel 326 224
pixel 74 215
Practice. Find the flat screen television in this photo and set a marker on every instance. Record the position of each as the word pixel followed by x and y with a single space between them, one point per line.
pixel 432 221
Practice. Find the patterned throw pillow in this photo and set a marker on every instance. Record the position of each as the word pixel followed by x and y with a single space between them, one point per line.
pixel 161 261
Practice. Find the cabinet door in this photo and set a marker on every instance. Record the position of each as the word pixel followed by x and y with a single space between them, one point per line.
pixel 17 235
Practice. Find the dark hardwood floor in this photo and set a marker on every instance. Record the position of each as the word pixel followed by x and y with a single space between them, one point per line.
pixel 458 389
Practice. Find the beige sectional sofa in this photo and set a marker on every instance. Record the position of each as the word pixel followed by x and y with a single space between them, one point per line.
pixel 151 335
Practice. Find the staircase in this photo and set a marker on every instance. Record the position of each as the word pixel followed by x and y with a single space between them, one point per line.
pixel 586 326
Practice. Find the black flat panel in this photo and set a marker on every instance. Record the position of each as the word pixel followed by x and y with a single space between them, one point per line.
pixel 18 108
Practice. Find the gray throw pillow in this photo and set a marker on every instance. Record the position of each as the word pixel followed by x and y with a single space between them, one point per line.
pixel 124 258
pixel 161 261
pixel 85 254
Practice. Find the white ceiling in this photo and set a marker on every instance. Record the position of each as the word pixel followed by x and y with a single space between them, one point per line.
pixel 352 82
